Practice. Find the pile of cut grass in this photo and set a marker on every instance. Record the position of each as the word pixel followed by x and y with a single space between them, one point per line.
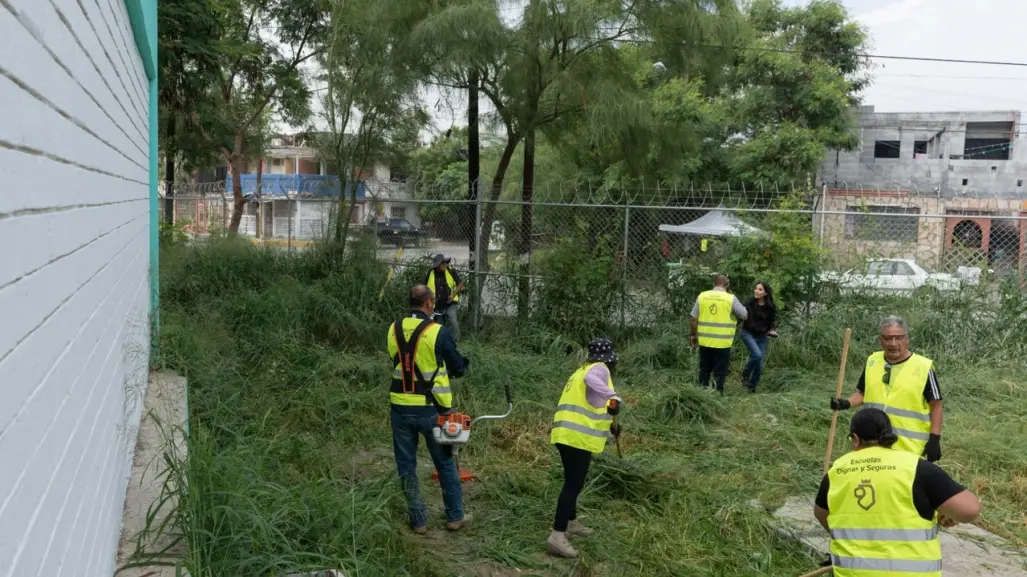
pixel 290 465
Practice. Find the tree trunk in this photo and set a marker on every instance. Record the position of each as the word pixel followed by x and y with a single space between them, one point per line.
pixel 524 244
pixel 259 193
pixel 473 161
pixel 494 193
pixel 170 153
pixel 236 162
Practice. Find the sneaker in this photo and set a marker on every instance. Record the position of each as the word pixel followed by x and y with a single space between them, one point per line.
pixel 558 545
pixel 457 525
pixel 576 529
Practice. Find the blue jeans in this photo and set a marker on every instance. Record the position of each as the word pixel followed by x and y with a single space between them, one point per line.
pixel 757 345
pixel 408 423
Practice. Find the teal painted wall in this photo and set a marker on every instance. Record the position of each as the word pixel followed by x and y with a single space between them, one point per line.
pixel 143 16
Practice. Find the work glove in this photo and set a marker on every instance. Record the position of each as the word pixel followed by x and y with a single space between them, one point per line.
pixel 467 363
pixel 933 449
pixel 614 407
pixel 826 563
pixel 615 430
pixel 840 404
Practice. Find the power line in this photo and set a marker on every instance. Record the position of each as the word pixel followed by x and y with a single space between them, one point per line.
pixel 819 53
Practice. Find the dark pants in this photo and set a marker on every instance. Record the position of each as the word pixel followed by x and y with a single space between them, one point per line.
pixel 575 467
pixel 714 361
pixel 757 345
pixel 409 423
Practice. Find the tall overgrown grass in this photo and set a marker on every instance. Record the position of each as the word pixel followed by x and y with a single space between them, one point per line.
pixel 290 465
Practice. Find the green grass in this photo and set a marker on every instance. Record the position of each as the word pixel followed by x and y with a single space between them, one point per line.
pixel 290 463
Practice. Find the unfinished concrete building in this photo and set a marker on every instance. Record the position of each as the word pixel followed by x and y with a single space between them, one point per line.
pixel 943 188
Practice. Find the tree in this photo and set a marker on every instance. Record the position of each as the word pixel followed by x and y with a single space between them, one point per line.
pixel 189 54
pixel 794 89
pixel 257 77
pixel 371 85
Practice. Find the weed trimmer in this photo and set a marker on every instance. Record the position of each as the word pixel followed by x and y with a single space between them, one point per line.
pixel 454 430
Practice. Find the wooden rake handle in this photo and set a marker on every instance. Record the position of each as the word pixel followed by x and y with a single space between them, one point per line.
pixel 834 417
pixel 821 571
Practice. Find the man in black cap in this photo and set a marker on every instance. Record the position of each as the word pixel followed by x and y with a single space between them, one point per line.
pixel 883 506
pixel 447 285
pixel 581 427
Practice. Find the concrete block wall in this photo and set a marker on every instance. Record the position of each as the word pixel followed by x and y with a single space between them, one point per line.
pixel 74 280
pixel 851 170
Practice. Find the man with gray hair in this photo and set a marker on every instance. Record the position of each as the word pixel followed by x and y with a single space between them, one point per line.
pixel 903 385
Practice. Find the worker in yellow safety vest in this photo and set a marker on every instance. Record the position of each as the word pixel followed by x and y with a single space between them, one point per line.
pixel 883 507
pixel 447 285
pixel 715 317
pixel 903 385
pixel 582 426
pixel 424 358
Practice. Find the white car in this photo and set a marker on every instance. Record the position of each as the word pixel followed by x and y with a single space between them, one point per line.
pixel 897 277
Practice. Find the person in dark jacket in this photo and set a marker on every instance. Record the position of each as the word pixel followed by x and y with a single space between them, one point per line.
pixel 760 324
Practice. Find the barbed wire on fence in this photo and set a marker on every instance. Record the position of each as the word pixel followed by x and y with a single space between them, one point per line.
pixel 642 237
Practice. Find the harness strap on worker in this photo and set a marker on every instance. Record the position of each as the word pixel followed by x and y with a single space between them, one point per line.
pixel 406 359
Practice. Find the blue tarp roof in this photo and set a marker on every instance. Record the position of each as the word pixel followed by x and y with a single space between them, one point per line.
pixel 279 185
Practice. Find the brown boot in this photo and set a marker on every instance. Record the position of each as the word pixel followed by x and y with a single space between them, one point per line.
pixel 559 546
pixel 457 525
pixel 576 529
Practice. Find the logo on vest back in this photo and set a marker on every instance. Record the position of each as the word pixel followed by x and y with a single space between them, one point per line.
pixel 713 309
pixel 865 495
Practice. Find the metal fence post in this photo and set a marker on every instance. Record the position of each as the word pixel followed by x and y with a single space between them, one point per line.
pixel 478 292
pixel 624 266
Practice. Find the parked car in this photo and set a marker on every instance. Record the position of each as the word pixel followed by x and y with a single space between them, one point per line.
pixel 896 277
pixel 399 232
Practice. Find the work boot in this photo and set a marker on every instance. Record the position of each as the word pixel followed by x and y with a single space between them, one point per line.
pixel 457 525
pixel 420 530
pixel 576 529
pixel 559 546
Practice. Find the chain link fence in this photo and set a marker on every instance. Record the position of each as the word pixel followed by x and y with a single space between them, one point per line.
pixel 636 257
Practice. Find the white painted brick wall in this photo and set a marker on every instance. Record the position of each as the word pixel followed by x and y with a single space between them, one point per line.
pixel 74 281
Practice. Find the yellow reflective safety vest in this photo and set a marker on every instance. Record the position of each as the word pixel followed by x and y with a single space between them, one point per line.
pixel 577 423
pixel 716 320
pixel 875 528
pixel 902 398
pixel 417 373
pixel 450 282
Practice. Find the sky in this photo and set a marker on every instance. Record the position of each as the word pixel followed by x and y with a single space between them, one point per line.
pixel 956 29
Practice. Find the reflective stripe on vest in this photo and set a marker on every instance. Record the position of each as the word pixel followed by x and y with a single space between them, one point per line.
pixel 716 323
pixel 424 359
pixel 902 399
pixel 874 523
pixel 576 422
pixel 450 282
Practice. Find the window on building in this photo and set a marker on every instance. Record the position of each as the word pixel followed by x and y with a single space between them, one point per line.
pixel 886 149
pixel 987 140
pixel 966 181
pixel 277 162
pixel 398 212
pixel 882 223
pixel 919 147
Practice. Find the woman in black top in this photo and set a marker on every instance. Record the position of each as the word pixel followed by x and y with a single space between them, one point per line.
pixel 760 324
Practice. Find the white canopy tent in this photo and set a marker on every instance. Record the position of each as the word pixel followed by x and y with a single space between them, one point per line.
pixel 713 223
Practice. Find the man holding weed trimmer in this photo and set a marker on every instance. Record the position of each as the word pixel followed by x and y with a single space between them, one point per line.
pixel 903 385
pixel 585 418
pixel 425 357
